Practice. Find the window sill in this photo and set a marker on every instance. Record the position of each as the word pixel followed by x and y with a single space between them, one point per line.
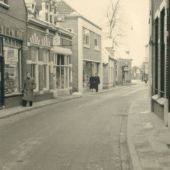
pixel 159 100
pixel 4 5
pixel 97 49
pixel 86 46
pixel 155 97
pixel 13 95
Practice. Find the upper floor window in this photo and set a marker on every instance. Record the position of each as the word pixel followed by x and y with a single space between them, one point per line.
pixel 51 8
pixel 46 6
pixel 51 18
pixel 46 16
pixel 96 42
pixel 86 38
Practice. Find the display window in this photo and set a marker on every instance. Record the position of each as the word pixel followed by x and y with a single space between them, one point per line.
pixel 89 69
pixel 12 70
pixel 63 71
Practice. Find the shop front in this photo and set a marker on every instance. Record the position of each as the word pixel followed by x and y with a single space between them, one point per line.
pixel 89 69
pixel 62 71
pixel 10 71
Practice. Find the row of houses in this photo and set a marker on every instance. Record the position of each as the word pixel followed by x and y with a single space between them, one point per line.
pixel 57 45
pixel 116 70
pixel 159 52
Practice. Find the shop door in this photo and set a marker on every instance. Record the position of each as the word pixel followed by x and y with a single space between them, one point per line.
pixel 1 74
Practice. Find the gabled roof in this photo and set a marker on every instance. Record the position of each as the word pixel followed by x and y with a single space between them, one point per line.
pixel 63 8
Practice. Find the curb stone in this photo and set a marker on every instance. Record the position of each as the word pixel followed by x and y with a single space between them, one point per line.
pixel 38 107
pixel 133 154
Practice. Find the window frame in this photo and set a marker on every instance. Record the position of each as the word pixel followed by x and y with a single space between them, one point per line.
pixel 86 38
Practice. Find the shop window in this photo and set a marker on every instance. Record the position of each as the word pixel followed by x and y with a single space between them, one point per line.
pixel 12 71
pixel 45 71
pixel 34 52
pixel 63 72
pixel 45 76
pixel 33 70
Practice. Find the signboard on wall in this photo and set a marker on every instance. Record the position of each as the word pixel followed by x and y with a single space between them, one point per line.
pixel 56 40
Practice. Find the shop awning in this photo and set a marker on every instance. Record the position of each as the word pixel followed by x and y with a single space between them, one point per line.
pixel 61 50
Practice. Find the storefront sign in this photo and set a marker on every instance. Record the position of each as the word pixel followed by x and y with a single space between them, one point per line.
pixel 9 31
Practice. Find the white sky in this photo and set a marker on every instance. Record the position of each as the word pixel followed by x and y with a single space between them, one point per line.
pixel 134 18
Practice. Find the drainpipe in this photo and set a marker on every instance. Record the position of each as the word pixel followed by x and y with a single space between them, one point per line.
pixel 150 51
pixel 167 27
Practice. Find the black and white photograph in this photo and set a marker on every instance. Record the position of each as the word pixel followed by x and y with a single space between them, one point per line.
pixel 84 84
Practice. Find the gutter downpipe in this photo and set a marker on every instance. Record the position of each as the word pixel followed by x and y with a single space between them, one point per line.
pixel 150 52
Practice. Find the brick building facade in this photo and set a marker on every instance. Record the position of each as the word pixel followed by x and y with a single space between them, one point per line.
pixel 29 43
pixel 49 51
pixel 160 57
pixel 87 53
pixel 12 51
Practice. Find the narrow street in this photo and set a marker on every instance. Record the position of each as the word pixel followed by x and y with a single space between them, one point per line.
pixel 87 133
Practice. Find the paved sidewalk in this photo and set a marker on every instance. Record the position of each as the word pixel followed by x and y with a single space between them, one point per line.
pixel 148 138
pixel 19 109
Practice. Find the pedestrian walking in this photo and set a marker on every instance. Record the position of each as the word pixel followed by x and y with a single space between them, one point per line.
pixel 92 82
pixel 28 90
pixel 96 82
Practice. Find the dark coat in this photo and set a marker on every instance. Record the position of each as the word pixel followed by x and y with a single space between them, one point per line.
pixel 28 92
pixel 92 83
pixel 96 80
